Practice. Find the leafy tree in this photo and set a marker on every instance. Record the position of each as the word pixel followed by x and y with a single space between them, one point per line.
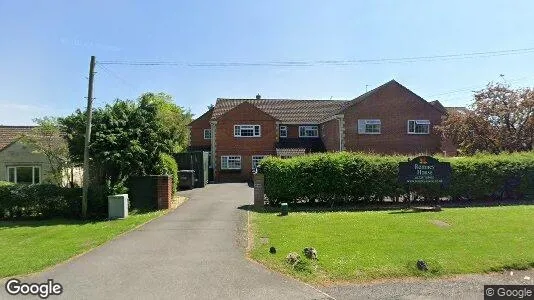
pixel 47 139
pixel 128 137
pixel 500 119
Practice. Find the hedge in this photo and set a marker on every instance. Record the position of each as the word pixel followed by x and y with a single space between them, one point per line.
pixel 48 201
pixel 353 177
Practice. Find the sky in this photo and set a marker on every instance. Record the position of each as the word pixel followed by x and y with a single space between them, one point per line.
pixel 45 47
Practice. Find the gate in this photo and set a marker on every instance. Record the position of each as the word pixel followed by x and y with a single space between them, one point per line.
pixel 199 161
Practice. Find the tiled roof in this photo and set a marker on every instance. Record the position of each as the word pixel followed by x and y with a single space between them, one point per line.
pixel 9 134
pixel 285 110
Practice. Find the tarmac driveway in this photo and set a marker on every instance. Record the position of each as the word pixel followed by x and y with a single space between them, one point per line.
pixel 194 252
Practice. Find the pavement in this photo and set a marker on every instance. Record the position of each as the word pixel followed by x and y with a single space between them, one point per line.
pixel 194 252
pixel 459 287
pixel 198 252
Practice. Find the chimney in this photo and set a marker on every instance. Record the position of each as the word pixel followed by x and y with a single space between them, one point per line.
pixel 258 96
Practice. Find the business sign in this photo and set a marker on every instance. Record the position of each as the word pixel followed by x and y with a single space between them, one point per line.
pixel 425 170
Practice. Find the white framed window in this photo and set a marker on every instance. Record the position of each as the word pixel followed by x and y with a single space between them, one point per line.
pixel 418 126
pixel 309 131
pixel 256 160
pixel 207 134
pixel 24 174
pixel 231 162
pixel 247 130
pixel 369 126
pixel 283 131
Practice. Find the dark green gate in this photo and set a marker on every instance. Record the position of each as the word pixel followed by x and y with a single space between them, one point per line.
pixel 197 161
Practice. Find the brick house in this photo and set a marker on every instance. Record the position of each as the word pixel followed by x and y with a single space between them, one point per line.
pixel 388 119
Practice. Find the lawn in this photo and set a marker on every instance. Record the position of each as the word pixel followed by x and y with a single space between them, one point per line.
pixel 30 246
pixel 361 246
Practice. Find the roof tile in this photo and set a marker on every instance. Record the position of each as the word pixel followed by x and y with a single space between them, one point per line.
pixel 9 134
pixel 285 110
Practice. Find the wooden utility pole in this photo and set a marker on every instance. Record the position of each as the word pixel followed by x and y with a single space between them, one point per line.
pixel 89 115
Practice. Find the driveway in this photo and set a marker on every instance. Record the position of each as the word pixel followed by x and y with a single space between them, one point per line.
pixel 194 252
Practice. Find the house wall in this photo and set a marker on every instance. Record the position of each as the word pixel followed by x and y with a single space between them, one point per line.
pixel 20 154
pixel 330 135
pixel 197 131
pixel 227 144
pixel 394 105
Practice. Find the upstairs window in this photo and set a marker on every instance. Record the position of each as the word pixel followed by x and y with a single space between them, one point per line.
pixel 207 134
pixel 309 131
pixel 283 131
pixel 247 130
pixel 369 126
pixel 418 126
pixel 231 162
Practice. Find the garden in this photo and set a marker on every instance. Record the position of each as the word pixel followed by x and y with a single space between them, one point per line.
pixel 352 209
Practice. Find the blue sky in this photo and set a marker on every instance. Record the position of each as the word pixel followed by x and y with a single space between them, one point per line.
pixel 45 48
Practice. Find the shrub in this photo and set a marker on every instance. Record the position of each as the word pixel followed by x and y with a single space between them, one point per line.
pixel 48 201
pixel 353 177
pixel 167 165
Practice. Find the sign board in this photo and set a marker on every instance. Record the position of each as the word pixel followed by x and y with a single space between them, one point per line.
pixel 425 170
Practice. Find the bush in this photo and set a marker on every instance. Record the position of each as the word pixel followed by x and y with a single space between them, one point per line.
pixel 167 165
pixel 48 201
pixel 353 177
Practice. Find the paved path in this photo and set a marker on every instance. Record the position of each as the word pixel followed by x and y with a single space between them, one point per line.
pixel 194 252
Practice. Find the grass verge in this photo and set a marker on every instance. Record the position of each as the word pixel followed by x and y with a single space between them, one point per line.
pixel 31 246
pixel 362 246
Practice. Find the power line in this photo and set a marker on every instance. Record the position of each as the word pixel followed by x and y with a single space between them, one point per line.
pixel 325 62
pixel 112 73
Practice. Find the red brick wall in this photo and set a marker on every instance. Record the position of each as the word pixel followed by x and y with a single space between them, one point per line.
pixel 394 105
pixel 163 191
pixel 330 135
pixel 197 130
pixel 227 144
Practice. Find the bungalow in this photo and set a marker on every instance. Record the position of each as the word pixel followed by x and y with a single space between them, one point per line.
pixel 19 163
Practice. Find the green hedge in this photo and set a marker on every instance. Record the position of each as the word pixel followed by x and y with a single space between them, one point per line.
pixel 48 201
pixel 353 177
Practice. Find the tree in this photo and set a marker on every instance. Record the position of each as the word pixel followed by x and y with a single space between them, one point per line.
pixel 500 119
pixel 129 136
pixel 47 139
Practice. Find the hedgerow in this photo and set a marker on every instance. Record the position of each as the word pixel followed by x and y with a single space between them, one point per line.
pixel 358 177
pixel 48 201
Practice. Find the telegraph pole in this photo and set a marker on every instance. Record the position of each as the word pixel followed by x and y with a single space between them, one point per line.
pixel 89 114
